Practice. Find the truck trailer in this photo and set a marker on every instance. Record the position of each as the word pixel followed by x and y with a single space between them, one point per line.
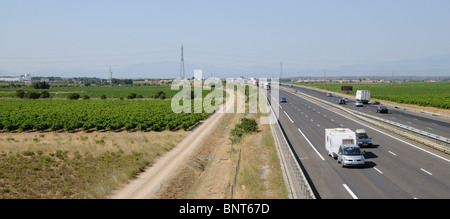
pixel 363 96
pixel 336 137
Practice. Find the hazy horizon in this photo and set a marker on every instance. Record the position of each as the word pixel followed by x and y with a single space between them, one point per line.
pixel 225 38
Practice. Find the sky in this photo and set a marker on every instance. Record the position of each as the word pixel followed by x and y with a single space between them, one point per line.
pixel 36 36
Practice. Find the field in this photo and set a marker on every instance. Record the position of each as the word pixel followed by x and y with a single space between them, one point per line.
pixel 96 92
pixel 76 165
pixel 432 94
pixel 87 115
pixel 60 148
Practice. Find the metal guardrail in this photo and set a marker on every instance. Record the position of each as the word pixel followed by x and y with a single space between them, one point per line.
pixel 365 117
pixel 384 103
pixel 289 160
pixel 409 128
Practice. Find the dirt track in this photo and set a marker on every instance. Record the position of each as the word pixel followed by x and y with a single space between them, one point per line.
pixel 146 184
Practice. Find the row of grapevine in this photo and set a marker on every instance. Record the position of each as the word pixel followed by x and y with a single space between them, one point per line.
pixel 111 115
pixel 433 94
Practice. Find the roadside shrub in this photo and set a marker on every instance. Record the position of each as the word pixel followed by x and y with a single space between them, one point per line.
pixel 246 126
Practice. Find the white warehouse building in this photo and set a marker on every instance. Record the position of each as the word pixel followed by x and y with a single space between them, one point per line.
pixel 23 78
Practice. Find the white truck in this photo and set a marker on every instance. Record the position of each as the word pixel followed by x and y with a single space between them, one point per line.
pixel 340 143
pixel 267 85
pixel 363 96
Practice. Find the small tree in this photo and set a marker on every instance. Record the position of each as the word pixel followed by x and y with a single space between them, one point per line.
pixel 131 96
pixel 32 95
pixel 45 94
pixel 160 95
pixel 20 93
pixel 74 96
pixel 40 85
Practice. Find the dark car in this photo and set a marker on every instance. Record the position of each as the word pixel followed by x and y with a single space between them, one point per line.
pixel 382 109
pixel 341 101
pixel 283 100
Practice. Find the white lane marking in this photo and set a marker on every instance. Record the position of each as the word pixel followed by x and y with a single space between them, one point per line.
pixel 350 191
pixel 392 153
pixel 311 144
pixel 429 128
pixel 378 170
pixel 341 125
pixel 426 172
pixel 318 125
pixel 398 139
pixel 288 116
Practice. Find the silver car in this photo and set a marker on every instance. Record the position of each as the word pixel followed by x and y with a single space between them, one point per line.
pixel 358 103
pixel 350 155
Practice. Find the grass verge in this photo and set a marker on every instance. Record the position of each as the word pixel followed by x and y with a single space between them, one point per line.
pixel 80 165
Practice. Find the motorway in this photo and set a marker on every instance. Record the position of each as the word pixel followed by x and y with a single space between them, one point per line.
pixel 428 123
pixel 395 167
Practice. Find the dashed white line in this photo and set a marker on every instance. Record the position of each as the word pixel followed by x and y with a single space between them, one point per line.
pixel 310 144
pixel 426 172
pixel 341 125
pixel 378 170
pixel 288 116
pixel 392 153
pixel 350 191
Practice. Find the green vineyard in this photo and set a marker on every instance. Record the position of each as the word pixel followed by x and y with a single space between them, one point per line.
pixel 434 94
pixel 90 115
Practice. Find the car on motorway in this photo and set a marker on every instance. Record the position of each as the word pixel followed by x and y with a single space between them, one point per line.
pixel 362 139
pixel 283 100
pixel 329 95
pixel 341 101
pixel 350 155
pixel 358 103
pixel 382 109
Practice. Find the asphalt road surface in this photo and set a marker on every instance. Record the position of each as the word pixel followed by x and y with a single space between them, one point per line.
pixel 395 167
pixel 428 123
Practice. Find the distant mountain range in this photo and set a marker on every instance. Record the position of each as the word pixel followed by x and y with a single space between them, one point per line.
pixel 429 66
